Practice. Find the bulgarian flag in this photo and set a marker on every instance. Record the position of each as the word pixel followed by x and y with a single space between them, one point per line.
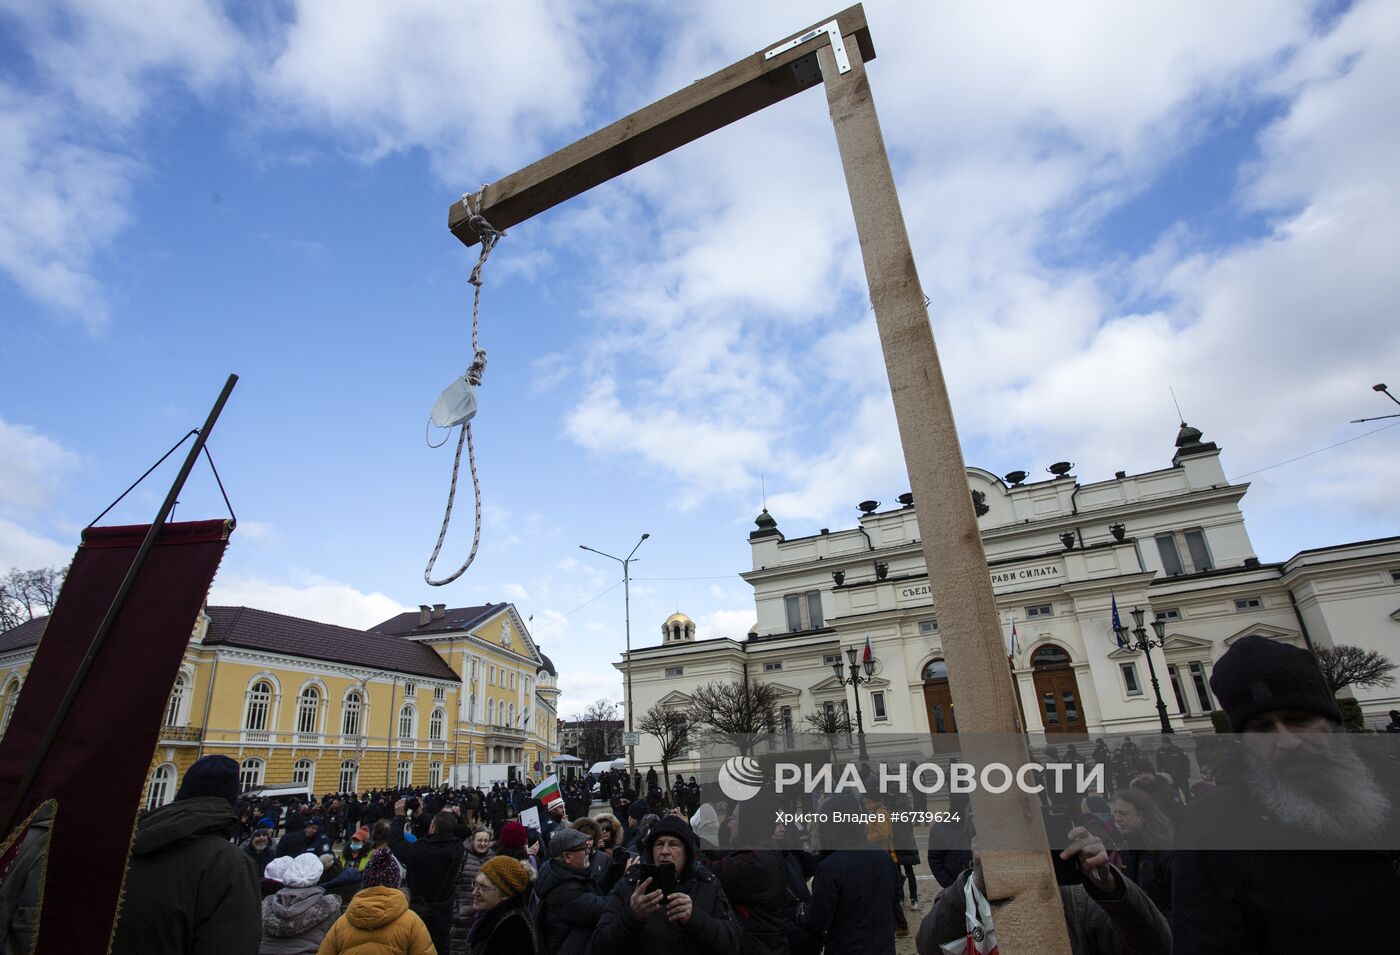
pixel 1011 619
pixel 869 653
pixel 547 791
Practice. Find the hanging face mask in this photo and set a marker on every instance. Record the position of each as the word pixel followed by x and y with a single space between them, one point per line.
pixel 456 405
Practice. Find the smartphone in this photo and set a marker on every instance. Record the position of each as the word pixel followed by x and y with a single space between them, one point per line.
pixel 663 877
pixel 1058 823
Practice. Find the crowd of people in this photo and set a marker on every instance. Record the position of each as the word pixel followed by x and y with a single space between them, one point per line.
pixel 623 865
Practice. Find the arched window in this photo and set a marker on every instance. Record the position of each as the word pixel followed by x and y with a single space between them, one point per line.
pixel 490 712
pixel 259 704
pixel 434 774
pixel 350 718
pixel 405 775
pixel 435 724
pixel 406 722
pixel 349 776
pixel 175 707
pixel 511 720
pixel 304 773
pixel 162 786
pixel 1050 656
pixel 250 774
pixel 308 709
pixel 471 709
pixel 936 670
pixel 11 698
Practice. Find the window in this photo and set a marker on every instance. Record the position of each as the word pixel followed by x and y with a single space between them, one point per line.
pixel 1197 549
pixel 1182 706
pixel 1130 679
pixel 512 679
pixel 491 676
pixel 471 709
pixel 831 659
pixel 435 724
pixel 439 693
pixel 1395 576
pixel 1171 613
pixel 1249 603
pixel 177 699
pixel 162 786
pixel 474 663
pixel 304 773
pixel 308 704
pixel 405 774
pixel 878 700
pixel 1171 557
pixel 250 774
pixel 526 686
pixel 675 671
pixel 349 776
pixel 804 611
pixel 11 698
pixel 928 626
pixel 1043 610
pixel 1198 677
pixel 510 719
pixel 350 717
pixel 259 700
pixel 434 774
pixel 937 669
pixel 773 667
pixel 406 722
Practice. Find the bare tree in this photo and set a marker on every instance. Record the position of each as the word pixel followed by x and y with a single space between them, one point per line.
pixel 1344 665
pixel 734 712
pixel 672 731
pixel 26 594
pixel 830 724
pixel 594 724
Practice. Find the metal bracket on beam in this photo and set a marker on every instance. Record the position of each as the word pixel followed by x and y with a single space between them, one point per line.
pixel 843 62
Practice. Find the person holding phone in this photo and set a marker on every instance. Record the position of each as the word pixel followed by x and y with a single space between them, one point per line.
pixel 669 902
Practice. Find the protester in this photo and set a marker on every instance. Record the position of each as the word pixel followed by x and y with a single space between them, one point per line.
pixel 503 924
pixel 950 841
pixel 610 830
pixel 188 888
pixel 569 901
pixel 432 864
pixel 477 851
pixel 695 919
pixel 1176 765
pixel 513 843
pixel 755 881
pixel 357 850
pixel 1105 915
pixel 297 917
pixel 378 920
pixel 1144 848
pixel 855 893
pixel 1299 788
pixel 260 849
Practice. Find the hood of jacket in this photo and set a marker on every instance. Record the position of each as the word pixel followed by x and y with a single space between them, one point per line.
pixel 292 912
pixel 555 873
pixel 182 821
pixel 376 906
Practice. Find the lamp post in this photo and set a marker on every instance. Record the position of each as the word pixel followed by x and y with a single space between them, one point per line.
pixel 855 680
pixel 626 563
pixel 1139 641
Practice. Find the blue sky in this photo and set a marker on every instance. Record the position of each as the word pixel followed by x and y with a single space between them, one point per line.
pixel 1104 202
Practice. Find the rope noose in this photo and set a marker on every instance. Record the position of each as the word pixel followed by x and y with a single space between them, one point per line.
pixel 488 237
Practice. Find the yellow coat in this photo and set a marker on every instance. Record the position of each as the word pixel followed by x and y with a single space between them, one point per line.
pixel 378 922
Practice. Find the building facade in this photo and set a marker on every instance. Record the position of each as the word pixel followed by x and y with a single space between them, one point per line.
pixel 438 697
pixel 1060 554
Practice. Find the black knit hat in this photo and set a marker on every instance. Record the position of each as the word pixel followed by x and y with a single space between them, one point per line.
pixel 672 826
pixel 1257 675
pixel 211 776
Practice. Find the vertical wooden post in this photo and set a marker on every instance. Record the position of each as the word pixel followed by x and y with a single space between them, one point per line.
pixel 1033 919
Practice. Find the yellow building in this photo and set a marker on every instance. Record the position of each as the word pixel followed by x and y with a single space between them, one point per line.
pixel 438 697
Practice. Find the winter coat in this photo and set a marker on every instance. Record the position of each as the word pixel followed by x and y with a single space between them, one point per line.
pixel 463 911
pixel 1278 901
pixel 1151 871
pixel 508 929
pixel 569 907
pixel 949 851
pixel 189 891
pixel 295 920
pixel 854 898
pixel 432 864
pixel 711 929
pixel 378 921
pixel 260 859
pixel 756 882
pixel 1126 923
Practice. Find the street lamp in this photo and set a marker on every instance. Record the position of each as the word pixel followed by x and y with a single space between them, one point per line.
pixel 1141 642
pixel 855 680
pixel 627 624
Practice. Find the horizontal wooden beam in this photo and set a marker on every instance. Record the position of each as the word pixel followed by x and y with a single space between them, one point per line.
pixel 701 108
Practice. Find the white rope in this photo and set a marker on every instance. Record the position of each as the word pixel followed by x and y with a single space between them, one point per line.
pixel 488 236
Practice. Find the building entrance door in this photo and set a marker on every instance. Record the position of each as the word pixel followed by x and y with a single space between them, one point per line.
pixel 938 700
pixel 1057 691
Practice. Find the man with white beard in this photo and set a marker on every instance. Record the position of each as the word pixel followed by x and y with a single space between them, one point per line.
pixel 1306 829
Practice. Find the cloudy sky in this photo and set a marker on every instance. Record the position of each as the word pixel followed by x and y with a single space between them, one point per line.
pixel 1106 201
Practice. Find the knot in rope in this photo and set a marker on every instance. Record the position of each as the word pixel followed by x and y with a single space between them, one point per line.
pixel 476 368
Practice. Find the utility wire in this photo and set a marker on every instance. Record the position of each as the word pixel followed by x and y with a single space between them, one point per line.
pixel 721 577
pixel 1300 457
pixel 551 623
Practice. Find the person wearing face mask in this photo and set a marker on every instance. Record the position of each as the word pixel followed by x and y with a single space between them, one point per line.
pixel 356 853
pixel 260 848
pixel 478 851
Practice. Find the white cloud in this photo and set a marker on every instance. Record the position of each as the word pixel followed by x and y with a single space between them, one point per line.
pixel 26 550
pixel 732 624
pixel 580 686
pixel 515 591
pixel 34 466
pixel 310 597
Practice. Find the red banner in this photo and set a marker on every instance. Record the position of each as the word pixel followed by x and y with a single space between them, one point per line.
pixel 97 768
